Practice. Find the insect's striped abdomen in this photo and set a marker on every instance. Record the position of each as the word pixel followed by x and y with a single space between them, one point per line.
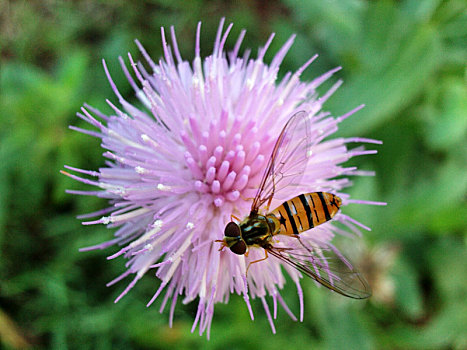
pixel 306 211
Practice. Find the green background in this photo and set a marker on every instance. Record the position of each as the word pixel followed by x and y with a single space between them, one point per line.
pixel 406 60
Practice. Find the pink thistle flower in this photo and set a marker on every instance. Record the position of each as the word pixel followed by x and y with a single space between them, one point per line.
pixel 176 172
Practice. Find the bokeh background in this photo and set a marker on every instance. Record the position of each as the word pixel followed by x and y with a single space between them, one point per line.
pixel 406 60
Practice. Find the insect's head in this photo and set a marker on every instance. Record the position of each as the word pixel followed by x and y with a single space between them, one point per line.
pixel 233 238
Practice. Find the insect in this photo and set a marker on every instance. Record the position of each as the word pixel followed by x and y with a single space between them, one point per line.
pixel 304 212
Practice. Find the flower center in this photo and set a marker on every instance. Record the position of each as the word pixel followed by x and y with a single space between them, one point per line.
pixel 226 165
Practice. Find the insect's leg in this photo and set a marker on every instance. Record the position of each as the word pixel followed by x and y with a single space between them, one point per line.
pixel 232 217
pixel 269 204
pixel 256 261
pixel 223 245
pixel 312 254
pixel 246 198
pixel 272 195
pixel 303 245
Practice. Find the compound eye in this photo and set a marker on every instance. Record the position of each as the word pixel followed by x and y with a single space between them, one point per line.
pixel 232 230
pixel 239 248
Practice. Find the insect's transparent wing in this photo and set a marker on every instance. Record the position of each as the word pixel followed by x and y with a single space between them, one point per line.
pixel 326 267
pixel 288 159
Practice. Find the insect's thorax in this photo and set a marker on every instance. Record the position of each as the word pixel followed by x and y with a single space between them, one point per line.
pixel 259 229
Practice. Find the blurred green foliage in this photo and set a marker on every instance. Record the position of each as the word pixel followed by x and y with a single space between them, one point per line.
pixel 406 60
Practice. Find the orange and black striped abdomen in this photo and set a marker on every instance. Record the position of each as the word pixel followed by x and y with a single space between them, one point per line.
pixel 306 211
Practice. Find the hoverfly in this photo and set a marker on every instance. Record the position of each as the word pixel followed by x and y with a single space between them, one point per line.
pixel 320 262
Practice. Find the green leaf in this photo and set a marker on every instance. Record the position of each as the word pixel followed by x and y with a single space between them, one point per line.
pixel 449 187
pixel 420 10
pixel 392 88
pixel 448 259
pixel 407 291
pixel 449 126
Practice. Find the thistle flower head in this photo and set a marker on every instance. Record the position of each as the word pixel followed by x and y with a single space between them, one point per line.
pixel 178 168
